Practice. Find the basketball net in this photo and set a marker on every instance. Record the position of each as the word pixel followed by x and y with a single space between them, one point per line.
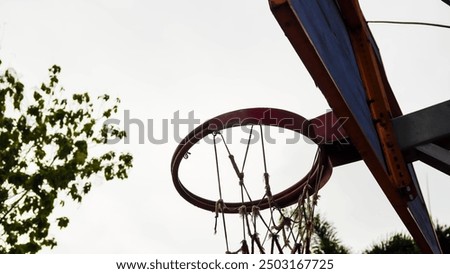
pixel 278 229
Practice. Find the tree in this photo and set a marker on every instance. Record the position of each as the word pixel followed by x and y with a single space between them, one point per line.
pixel 396 244
pixel 318 235
pixel 400 243
pixel 47 157
pixel 325 240
pixel 443 235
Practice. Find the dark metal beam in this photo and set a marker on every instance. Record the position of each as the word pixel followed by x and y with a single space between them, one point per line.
pixel 342 154
pixel 435 156
pixel 425 126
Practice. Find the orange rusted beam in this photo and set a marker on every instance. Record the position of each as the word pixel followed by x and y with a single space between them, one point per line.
pixel 302 44
pixel 370 70
pixel 383 107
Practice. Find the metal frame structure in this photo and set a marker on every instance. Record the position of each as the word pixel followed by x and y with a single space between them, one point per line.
pixel 335 44
pixel 425 135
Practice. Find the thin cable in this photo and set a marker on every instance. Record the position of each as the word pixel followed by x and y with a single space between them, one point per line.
pixel 268 192
pixel 243 165
pixel 241 184
pixel 266 177
pixel 239 174
pixel 255 237
pixel 220 193
pixel 217 166
pixel 225 143
pixel 263 150
pixel 248 146
pixel 409 23
pixel 243 213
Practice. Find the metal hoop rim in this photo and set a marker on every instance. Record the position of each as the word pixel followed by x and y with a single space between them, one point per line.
pixel 253 116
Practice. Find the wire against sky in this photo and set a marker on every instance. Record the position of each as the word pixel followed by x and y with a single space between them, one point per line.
pixel 409 23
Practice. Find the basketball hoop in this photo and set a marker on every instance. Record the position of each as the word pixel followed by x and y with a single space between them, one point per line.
pixel 285 230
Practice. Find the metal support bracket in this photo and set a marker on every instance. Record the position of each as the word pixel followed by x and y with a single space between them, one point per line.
pixel 435 156
pixel 425 135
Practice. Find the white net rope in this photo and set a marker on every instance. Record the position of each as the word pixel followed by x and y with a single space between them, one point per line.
pixel 276 229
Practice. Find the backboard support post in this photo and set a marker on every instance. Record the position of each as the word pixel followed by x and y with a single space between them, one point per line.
pixel 333 41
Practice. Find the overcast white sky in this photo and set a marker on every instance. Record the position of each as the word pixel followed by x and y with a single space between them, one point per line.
pixel 212 57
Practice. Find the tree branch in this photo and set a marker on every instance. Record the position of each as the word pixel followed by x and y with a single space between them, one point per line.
pixel 13 206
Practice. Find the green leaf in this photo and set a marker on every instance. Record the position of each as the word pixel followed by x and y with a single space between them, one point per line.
pixel 107 113
pixel 4 140
pixel 78 98
pixel 34 111
pixel 62 222
pixel 45 89
pixel 87 128
pixel 18 179
pixel 64 147
pixel 109 172
pixel 127 159
pixel 55 69
pixel 87 188
pixel 37 96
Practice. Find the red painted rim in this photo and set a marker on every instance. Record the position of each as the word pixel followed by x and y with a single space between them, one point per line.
pixel 319 173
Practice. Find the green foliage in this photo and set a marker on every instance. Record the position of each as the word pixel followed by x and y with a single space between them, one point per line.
pixel 325 240
pixel 46 157
pixel 404 244
pixel 396 244
pixel 443 235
